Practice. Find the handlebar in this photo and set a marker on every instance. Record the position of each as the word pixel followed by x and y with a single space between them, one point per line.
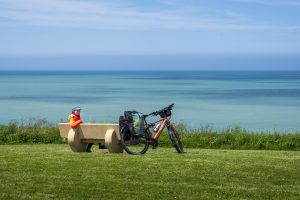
pixel 155 113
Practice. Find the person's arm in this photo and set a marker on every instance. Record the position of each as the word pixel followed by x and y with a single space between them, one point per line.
pixel 73 123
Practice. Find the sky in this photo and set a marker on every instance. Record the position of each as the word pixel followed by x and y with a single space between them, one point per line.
pixel 137 34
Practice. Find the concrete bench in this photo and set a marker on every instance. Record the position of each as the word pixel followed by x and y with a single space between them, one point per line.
pixel 91 133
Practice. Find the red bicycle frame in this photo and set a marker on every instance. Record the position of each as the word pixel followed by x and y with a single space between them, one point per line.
pixel 165 122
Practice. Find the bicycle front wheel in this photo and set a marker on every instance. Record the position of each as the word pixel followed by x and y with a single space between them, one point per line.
pixel 175 139
pixel 134 144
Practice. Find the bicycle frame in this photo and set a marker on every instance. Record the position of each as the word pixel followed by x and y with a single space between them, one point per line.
pixel 138 142
pixel 165 122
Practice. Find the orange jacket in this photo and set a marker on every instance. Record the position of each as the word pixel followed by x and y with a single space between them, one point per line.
pixel 74 120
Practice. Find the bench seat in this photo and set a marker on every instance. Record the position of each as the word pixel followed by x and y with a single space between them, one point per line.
pixel 91 133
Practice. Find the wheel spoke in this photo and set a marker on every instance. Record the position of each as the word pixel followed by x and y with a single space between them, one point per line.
pixel 175 139
pixel 134 144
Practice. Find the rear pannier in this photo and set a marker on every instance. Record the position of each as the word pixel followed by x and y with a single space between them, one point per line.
pixel 135 122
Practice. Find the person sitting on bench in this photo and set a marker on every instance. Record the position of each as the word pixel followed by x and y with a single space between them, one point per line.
pixel 74 120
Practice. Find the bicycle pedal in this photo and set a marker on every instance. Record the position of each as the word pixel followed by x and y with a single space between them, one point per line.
pixel 154 143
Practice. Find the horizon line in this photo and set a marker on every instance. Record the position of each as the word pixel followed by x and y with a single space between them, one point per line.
pixel 141 70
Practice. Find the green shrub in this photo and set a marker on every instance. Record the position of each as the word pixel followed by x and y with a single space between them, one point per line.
pixel 235 138
pixel 40 131
pixel 33 131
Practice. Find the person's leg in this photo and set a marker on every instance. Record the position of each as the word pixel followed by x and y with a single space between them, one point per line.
pixel 88 147
pixel 102 146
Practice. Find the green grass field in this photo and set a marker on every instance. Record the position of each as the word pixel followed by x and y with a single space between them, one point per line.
pixel 52 171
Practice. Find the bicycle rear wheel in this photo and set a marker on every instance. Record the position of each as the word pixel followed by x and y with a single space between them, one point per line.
pixel 134 144
pixel 175 139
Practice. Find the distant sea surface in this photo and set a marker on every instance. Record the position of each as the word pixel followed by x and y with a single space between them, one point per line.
pixel 256 100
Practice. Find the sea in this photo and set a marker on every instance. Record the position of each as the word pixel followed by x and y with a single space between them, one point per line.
pixel 255 100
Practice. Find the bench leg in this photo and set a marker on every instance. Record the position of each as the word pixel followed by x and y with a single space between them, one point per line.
pixel 112 142
pixel 74 137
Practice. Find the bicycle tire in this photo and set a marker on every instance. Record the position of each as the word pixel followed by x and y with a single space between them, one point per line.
pixel 134 144
pixel 175 139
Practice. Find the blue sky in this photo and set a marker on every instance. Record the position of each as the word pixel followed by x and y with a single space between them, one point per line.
pixel 153 30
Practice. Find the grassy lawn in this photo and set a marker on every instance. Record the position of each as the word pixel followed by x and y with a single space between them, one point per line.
pixel 54 172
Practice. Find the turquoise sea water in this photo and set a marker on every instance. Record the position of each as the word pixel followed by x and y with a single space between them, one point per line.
pixel 257 100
